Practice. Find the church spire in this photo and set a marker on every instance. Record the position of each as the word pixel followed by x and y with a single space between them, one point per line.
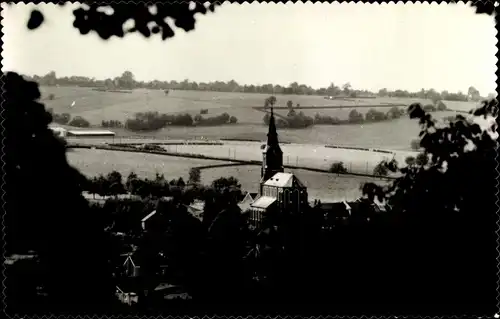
pixel 272 134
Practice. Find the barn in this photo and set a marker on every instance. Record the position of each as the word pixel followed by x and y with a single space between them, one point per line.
pixel 90 133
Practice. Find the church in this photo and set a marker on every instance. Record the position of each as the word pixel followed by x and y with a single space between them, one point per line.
pixel 281 195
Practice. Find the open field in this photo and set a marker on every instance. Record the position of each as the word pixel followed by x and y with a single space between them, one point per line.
pixel 96 106
pixel 94 162
pixel 301 155
pixel 320 185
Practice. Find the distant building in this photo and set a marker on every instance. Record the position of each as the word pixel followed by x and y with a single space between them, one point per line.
pixel 281 194
pixel 90 133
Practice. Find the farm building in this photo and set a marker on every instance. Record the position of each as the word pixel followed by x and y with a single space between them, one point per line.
pixel 93 133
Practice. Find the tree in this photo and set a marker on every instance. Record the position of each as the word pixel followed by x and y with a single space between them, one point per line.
pixel 346 88
pixel 441 106
pixel 338 167
pixel 233 120
pixel 439 196
pixel 289 104
pixel 270 101
pixel 79 121
pixel 382 92
pixel 114 180
pixel 473 94
pixel 35 154
pixel 194 175
pixel 355 117
pixel 127 80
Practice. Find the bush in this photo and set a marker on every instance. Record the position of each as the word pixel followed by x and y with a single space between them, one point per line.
pixel 395 113
pixel 266 118
pixel 153 121
pixel 111 124
pixel 355 117
pixel 233 120
pixel 325 119
pixel 381 169
pixel 441 106
pixel 79 121
pixel 63 118
pixel 429 108
pixel 337 167
pixel 375 116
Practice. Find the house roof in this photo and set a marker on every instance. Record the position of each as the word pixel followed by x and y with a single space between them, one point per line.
pixel 284 180
pixel 263 202
pixel 93 132
pixel 148 216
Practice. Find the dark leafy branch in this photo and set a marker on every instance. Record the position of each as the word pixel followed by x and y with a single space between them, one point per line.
pixel 109 20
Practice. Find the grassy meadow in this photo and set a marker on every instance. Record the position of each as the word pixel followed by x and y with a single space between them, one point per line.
pixel 319 185
pixel 96 106
pixel 94 162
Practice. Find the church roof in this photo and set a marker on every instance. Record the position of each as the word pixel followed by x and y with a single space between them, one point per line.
pixel 263 202
pixel 284 180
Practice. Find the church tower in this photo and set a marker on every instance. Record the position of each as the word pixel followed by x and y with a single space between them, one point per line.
pixel 272 155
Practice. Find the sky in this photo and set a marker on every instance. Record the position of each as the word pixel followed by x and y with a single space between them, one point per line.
pixel 371 46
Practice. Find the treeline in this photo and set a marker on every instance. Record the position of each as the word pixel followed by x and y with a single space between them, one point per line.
pixel 127 81
pixel 113 184
pixel 66 119
pixel 300 120
pixel 153 121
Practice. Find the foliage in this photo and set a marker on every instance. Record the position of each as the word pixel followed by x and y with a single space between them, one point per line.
pixel 337 167
pixel 233 120
pixel 32 152
pixel 194 175
pixel 355 117
pixel 375 116
pixel 79 121
pixel 325 119
pixel 204 111
pixel 111 124
pixel 289 104
pixel 441 106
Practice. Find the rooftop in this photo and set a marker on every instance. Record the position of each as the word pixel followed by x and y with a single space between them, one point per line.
pixel 263 202
pixel 284 180
pixel 93 132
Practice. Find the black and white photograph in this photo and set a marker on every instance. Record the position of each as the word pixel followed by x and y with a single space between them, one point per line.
pixel 250 159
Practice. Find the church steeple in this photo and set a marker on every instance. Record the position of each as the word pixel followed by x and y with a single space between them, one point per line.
pixel 272 156
pixel 272 134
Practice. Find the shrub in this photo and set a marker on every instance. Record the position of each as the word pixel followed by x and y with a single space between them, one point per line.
pixel 233 120
pixel 79 121
pixel 355 117
pixel 375 116
pixel 429 108
pixel 337 167
pixel 325 119
pixel 441 106
pixel 112 124
pixel 381 169
pixel 395 112
pixel 63 118
pixel 266 118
